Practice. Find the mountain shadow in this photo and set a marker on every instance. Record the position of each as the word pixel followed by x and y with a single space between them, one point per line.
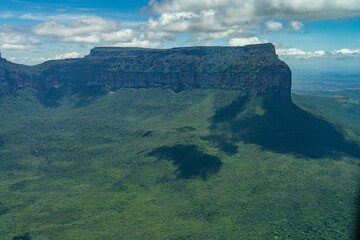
pixel 52 97
pixel 89 94
pixel 278 127
pixel 85 95
pixel 191 162
pixel 23 237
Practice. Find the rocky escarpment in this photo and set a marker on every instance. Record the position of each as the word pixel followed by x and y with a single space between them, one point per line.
pixel 252 69
pixel 13 77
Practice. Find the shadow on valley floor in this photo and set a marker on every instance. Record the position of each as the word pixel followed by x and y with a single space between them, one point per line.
pixel 85 95
pixel 89 94
pixel 23 237
pixel 282 128
pixel 191 162
pixel 52 97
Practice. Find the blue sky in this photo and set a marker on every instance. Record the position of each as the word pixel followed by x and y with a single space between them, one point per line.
pixel 307 34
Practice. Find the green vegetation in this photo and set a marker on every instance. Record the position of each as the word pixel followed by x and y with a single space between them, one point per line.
pixel 12 76
pixel 247 68
pixel 190 160
pixel 154 164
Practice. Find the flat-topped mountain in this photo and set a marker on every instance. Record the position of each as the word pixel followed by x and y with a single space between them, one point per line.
pixel 195 143
pixel 251 69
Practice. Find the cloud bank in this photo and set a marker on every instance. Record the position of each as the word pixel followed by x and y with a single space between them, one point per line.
pixel 12 38
pixel 200 22
pixel 281 9
pixel 298 53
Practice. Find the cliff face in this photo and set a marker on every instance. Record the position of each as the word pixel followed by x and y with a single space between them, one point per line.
pixel 13 77
pixel 252 69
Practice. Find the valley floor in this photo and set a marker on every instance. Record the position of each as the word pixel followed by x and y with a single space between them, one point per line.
pixel 200 164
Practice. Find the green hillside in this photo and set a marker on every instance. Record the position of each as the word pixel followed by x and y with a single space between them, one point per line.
pixel 155 164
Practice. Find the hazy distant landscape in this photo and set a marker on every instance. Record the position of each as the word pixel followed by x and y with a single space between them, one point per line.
pixel 320 80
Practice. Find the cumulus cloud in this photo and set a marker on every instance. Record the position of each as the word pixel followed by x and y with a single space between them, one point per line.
pixel 291 52
pixel 282 9
pixel 298 53
pixel 199 21
pixel 67 55
pixel 273 26
pixel 90 30
pixel 212 19
pixel 346 51
pixel 82 28
pixel 37 60
pixel 309 10
pixel 139 43
pixel 12 38
pixel 295 26
pixel 186 22
pixel 246 41
pixel 205 36
pixel 186 5
pixel 204 26
pixel 319 53
pixel 204 20
pixel 97 30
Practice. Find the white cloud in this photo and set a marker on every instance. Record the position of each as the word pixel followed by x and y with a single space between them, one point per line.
pixel 186 5
pixel 12 38
pixel 37 60
pixel 67 55
pixel 273 26
pixel 121 35
pixel 29 16
pixel 89 30
pixel 126 23
pixel 82 28
pixel 246 41
pixel 291 52
pixel 218 35
pixel 204 20
pixel 101 31
pixel 295 26
pixel 282 9
pixel 6 15
pixel 212 19
pixel 139 43
pixel 319 53
pixel 310 9
pixel 346 51
pixel 198 21
pixel 203 26
pixel 298 53
pixel 185 22
pixel 9 46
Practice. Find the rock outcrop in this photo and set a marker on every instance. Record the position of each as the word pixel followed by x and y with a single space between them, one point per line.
pixel 252 69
